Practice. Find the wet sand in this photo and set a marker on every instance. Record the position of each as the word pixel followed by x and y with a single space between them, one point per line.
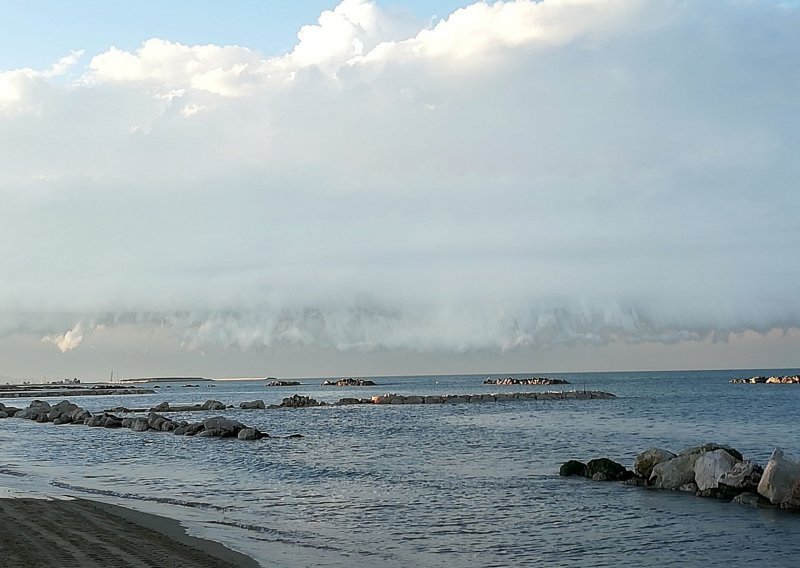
pixel 90 534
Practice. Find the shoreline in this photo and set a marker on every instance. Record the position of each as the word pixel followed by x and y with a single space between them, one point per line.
pixel 93 534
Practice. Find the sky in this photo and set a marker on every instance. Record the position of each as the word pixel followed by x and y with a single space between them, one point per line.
pixel 363 188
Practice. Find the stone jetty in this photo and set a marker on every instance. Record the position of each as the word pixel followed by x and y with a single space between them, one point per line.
pixel 66 412
pixel 298 401
pixel 710 470
pixel 510 381
pixel 778 380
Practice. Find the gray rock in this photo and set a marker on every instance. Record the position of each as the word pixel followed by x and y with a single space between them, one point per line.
pixel 688 487
pixel 194 429
pixel 780 479
pixel 648 459
pixel 750 499
pixel 139 424
pixel 213 405
pixel 743 477
pixel 710 466
pixel 163 407
pixel 3 414
pixel 675 472
pixel 249 434
pixel 253 405
pixel 222 423
pixel 216 433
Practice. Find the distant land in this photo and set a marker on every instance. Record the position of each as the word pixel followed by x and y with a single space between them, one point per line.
pixel 165 380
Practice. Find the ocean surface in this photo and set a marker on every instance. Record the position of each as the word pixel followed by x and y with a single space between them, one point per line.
pixel 440 485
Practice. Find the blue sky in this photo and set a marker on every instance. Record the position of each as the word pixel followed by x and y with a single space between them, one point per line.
pixel 35 33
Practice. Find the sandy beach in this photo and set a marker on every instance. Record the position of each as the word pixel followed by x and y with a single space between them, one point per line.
pixel 89 534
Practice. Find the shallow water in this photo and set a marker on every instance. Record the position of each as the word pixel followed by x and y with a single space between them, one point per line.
pixel 439 485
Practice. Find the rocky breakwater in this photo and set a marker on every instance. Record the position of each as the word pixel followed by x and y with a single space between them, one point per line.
pixel 349 382
pixel 66 412
pixel 298 401
pixel 510 381
pixel 277 383
pixel 710 470
pixel 776 380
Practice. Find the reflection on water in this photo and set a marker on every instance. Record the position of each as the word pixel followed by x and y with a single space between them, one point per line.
pixel 439 485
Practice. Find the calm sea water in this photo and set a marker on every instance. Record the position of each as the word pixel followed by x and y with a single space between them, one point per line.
pixel 439 485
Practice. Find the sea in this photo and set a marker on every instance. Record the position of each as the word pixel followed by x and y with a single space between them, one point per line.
pixel 455 485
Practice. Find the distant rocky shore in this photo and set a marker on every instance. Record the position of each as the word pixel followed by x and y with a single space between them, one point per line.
pixel 777 380
pixel 710 470
pixel 510 381
pixel 349 382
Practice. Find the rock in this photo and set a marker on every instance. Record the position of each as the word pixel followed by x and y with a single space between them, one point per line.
pixel 155 421
pixel 112 422
pixel 3 414
pixel 710 448
pixel 780 480
pixel 688 487
pixel 648 459
pixel 675 472
pixel 572 467
pixel 743 477
pixel 163 407
pixel 212 405
pixel 635 482
pixel 349 382
pixel 220 423
pixel 750 499
pixel 299 401
pixel 253 405
pixel 283 383
pixel 216 433
pixel 249 434
pixel 710 466
pixel 139 424
pixel 64 407
pixel 604 469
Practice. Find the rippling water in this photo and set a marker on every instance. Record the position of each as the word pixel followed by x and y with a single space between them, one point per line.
pixel 439 485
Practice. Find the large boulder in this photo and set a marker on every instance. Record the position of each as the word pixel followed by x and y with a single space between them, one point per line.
pixel 710 467
pixel 780 480
pixel 253 405
pixel 61 412
pixel 139 424
pixel 572 467
pixel 222 424
pixel 604 469
pixel 212 405
pixel 162 407
pixel 249 434
pixel 648 459
pixel 744 476
pixel 674 473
